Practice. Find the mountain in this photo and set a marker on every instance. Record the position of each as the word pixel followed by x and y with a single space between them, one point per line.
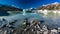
pixel 52 6
pixel 9 8
pixel 5 8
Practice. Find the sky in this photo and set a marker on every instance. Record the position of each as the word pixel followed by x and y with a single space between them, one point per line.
pixel 27 3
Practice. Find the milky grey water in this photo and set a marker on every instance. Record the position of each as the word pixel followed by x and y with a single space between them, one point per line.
pixel 32 16
pixel 52 20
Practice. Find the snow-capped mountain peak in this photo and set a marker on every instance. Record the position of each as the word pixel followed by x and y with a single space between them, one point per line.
pixel 51 6
pixel 56 3
pixel 44 5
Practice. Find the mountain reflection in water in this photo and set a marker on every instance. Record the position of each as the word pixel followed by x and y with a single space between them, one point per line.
pixel 4 13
